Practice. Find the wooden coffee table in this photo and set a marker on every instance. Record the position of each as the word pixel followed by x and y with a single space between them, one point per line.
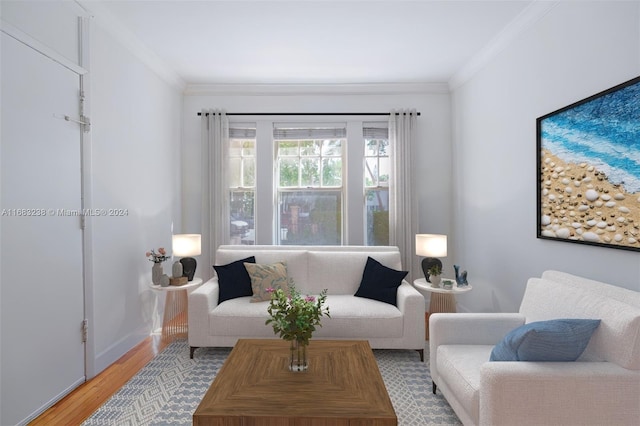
pixel 342 386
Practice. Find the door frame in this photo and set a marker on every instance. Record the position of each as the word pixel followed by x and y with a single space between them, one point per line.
pixel 87 201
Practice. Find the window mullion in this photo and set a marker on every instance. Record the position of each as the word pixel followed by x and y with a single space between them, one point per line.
pixel 353 184
pixel 299 158
pixel 265 194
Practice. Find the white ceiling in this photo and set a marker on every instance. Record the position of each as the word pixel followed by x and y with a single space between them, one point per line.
pixel 314 42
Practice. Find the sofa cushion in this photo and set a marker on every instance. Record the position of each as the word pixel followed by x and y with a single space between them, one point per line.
pixel 238 317
pixel 296 260
pixel 617 339
pixel 233 279
pixel 602 289
pixel 553 340
pixel 356 316
pixel 344 269
pixel 350 316
pixel 267 276
pixel 380 282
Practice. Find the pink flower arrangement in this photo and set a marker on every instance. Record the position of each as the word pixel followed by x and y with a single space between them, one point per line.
pixel 158 257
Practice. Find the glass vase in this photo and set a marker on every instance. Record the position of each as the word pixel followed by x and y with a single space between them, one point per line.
pixel 298 358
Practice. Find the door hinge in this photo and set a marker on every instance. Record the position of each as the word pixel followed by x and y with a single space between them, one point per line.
pixel 85 330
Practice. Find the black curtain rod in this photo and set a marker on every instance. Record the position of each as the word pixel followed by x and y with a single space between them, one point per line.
pixel 310 113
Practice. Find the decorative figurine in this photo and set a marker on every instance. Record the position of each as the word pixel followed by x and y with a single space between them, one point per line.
pixel 461 277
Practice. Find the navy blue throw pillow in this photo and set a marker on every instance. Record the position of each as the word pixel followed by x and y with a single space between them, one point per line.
pixel 234 280
pixel 379 282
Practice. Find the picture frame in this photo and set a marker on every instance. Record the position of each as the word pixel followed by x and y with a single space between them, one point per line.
pixel 588 170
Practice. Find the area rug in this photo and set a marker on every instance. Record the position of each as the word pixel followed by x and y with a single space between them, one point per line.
pixel 168 389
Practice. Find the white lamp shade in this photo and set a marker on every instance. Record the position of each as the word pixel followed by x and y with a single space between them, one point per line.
pixel 431 245
pixel 186 245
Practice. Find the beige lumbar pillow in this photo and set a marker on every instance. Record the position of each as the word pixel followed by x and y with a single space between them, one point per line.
pixel 264 276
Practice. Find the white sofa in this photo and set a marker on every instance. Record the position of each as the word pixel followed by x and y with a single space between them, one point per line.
pixel 313 268
pixel 601 388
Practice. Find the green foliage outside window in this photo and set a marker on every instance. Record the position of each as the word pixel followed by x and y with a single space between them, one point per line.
pixel 310 163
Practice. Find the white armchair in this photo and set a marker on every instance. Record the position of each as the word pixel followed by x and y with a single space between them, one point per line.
pixel 601 387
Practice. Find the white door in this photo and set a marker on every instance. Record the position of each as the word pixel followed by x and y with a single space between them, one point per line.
pixel 41 293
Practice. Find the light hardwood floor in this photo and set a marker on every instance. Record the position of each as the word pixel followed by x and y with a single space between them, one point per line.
pixel 88 397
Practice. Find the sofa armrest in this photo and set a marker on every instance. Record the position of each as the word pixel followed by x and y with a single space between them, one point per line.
pixel 568 393
pixel 409 299
pixel 202 300
pixel 467 329
pixel 471 328
pixel 410 302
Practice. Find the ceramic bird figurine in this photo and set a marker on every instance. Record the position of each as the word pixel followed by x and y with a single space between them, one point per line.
pixel 461 277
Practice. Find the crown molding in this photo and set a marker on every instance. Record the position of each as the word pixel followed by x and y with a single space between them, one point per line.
pixel 535 11
pixel 315 89
pixel 130 41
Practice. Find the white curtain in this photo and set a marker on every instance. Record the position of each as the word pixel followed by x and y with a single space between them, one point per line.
pixel 215 187
pixel 402 204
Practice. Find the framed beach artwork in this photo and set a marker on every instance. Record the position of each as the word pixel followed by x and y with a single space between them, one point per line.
pixel 589 170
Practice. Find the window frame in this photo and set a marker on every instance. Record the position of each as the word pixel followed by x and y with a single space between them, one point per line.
pixel 321 152
pixel 245 234
pixel 266 208
pixel 378 133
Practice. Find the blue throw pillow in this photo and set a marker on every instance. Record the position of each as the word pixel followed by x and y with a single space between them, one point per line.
pixel 379 282
pixel 234 280
pixel 553 340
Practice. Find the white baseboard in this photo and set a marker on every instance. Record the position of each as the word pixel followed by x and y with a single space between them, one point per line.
pixel 117 350
pixel 50 403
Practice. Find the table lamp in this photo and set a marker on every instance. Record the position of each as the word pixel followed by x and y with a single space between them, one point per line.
pixel 185 246
pixel 432 246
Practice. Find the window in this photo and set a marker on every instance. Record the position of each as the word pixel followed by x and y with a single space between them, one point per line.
pixel 242 184
pixel 307 183
pixel 376 183
pixel 309 177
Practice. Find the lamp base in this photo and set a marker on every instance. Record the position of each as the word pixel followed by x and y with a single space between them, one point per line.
pixel 427 263
pixel 188 267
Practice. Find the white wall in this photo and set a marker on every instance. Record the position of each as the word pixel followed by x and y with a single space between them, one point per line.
pixel 574 51
pixel 136 131
pixel 132 156
pixel 433 137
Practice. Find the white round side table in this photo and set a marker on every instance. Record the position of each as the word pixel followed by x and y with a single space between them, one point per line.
pixel 442 300
pixel 176 308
